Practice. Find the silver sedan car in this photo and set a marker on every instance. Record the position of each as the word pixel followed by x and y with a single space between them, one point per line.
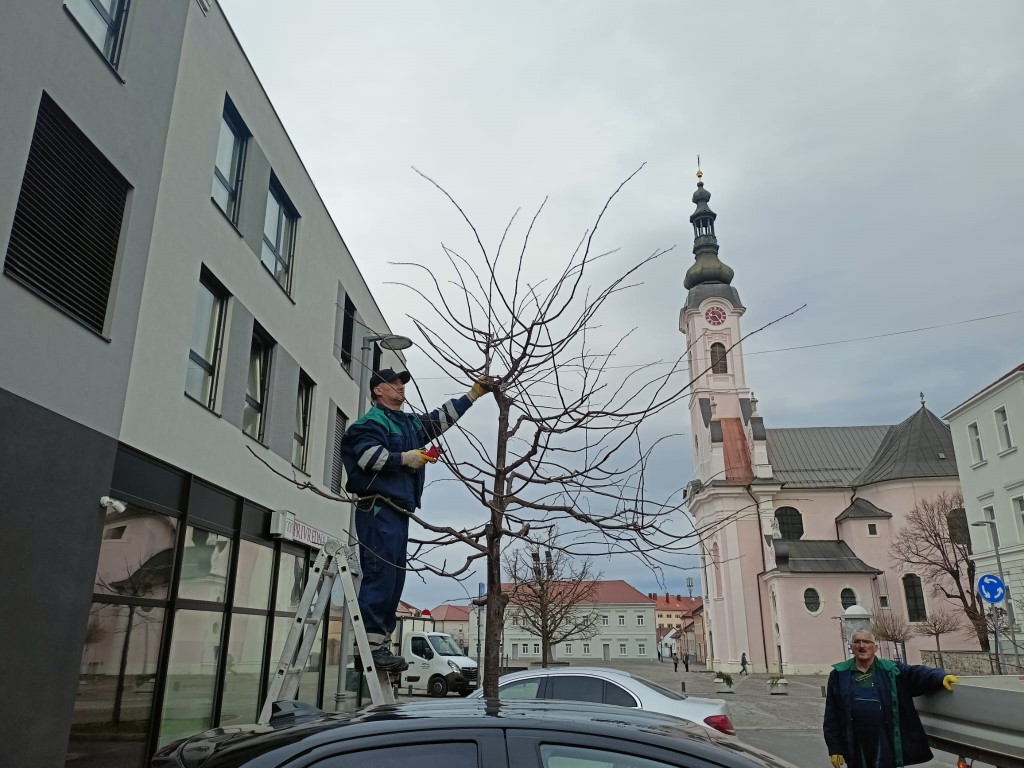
pixel 610 686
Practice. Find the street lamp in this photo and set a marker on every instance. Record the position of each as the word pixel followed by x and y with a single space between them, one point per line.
pixel 994 529
pixel 391 341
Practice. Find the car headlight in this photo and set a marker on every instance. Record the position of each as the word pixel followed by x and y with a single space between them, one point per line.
pixel 455 667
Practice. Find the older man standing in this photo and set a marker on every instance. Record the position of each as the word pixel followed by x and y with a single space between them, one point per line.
pixel 870 719
pixel 383 453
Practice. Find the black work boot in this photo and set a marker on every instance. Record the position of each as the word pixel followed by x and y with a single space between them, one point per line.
pixel 386 661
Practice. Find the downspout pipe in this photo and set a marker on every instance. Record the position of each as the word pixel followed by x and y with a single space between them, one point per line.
pixel 764 568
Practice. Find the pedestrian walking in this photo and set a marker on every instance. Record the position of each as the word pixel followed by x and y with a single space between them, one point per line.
pixel 675 662
pixel 686 662
pixel 870 719
pixel 743 664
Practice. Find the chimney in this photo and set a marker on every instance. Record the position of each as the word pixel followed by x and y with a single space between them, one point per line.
pixel 679 598
pixel 666 597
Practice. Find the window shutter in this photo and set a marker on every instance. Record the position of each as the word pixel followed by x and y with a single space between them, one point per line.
pixel 337 468
pixel 68 220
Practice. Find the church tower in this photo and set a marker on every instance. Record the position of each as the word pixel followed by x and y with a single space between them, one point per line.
pixel 729 497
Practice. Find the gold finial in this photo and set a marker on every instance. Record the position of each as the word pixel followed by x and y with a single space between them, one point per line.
pixel 700 173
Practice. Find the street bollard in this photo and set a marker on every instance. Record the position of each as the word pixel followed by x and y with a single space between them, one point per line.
pixel 682 684
pixel 823 691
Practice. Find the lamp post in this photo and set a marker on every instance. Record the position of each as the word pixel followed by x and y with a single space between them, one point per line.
pixel 991 524
pixel 393 342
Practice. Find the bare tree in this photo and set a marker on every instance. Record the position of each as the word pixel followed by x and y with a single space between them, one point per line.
pixel 893 628
pixel 552 595
pixel 940 622
pixel 568 449
pixel 925 546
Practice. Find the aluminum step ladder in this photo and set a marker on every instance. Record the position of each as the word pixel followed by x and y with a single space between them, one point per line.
pixel 334 561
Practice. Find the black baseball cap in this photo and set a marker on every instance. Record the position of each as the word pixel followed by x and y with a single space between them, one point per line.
pixel 386 376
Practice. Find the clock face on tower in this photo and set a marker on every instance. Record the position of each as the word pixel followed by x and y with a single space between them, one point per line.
pixel 715 316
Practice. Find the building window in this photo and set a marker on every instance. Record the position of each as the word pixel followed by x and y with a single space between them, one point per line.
pixel 207 333
pixel 300 439
pixel 103 22
pixel 337 466
pixel 883 601
pixel 974 435
pixel 227 169
pixel 67 223
pixel 847 597
pixel 586 649
pixel 515 619
pixel 791 523
pixel 622 621
pixel 279 235
pixel 716 561
pixel 604 621
pixel 639 619
pixel 719 364
pixel 348 325
pixel 536 649
pixel 1003 428
pixel 1018 509
pixel 568 649
pixel 872 529
pixel 641 650
pixel 914 595
pixel 622 649
pixel 812 600
pixel 256 384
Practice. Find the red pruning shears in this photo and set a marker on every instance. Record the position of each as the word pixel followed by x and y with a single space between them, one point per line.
pixel 433 453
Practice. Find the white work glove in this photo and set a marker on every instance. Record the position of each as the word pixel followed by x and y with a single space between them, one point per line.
pixel 482 386
pixel 415 459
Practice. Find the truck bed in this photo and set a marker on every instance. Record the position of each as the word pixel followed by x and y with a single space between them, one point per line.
pixel 982 719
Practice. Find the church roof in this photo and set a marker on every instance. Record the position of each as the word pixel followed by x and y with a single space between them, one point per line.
pixel 818 557
pixel 862 509
pixel 921 446
pixel 821 457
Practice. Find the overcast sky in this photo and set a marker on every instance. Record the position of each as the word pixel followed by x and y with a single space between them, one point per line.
pixel 863 158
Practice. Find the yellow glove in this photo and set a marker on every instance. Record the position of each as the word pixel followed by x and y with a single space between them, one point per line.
pixel 416 459
pixel 949 681
pixel 837 760
pixel 481 387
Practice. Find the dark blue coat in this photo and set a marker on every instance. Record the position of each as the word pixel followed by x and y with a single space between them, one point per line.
pixel 372 448
pixel 898 684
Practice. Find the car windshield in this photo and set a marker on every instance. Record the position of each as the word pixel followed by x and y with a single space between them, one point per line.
pixel 444 645
pixel 660 689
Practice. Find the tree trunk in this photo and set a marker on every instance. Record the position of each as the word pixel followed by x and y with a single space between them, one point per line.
pixel 123 667
pixel 938 650
pixel 545 650
pixel 495 597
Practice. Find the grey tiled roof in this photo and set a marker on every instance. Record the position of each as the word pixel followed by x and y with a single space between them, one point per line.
pixel 862 509
pixel 821 457
pixel 818 557
pixel 921 446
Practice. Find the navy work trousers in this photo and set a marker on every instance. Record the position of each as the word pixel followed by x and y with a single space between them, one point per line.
pixel 383 542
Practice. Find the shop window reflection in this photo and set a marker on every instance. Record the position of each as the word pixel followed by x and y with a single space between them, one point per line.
pixel 204 565
pixel 191 674
pixel 291 578
pixel 243 666
pixel 117 680
pixel 308 683
pixel 136 554
pixel 252 584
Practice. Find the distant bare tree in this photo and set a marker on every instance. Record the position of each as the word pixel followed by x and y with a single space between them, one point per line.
pixel 938 623
pixel 552 595
pixel 924 545
pixel 891 627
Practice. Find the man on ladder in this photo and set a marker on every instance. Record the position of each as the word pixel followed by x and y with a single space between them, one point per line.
pixel 384 456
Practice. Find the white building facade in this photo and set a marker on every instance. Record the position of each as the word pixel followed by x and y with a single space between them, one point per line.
pixel 182 324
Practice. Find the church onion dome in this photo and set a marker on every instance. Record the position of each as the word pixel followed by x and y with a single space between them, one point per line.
pixel 921 446
pixel 706 268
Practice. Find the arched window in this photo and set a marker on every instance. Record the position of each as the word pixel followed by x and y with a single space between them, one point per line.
pixel 717 563
pixel 848 597
pixel 914 595
pixel 812 600
pixel 718 362
pixel 791 523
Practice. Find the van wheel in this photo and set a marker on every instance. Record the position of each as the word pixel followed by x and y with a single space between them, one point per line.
pixel 437 687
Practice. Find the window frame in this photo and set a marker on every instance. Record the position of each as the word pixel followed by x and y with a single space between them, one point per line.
pixel 234 123
pixel 622 620
pixel 842 598
pixel 586 649
pixel 266 344
pixel 1003 430
pixel 911 611
pixel 640 620
pixel 622 650
pixel 211 367
pixel 977 446
pixel 719 357
pixel 821 601
pixel 873 529
pixel 341 421
pixel 116 26
pixel 1017 504
pixel 303 412
pixel 788 522
pixel 883 602
pixel 282 249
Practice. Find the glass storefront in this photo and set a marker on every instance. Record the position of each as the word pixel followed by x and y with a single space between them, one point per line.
pixel 190 611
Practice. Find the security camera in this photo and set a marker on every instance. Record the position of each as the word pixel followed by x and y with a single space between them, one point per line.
pixel 117 506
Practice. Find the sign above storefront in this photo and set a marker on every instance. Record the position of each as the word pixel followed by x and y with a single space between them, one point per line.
pixel 284 525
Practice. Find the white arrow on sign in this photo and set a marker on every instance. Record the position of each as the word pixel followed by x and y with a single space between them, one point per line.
pixel 991 588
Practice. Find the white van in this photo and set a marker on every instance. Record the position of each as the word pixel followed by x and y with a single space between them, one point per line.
pixel 437 665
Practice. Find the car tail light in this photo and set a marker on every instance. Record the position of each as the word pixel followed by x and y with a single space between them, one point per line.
pixel 720 723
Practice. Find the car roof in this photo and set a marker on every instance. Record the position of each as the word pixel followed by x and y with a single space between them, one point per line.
pixel 596 671
pixel 234 745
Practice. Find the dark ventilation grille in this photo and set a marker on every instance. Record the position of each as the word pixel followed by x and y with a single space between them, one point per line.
pixel 337 468
pixel 68 220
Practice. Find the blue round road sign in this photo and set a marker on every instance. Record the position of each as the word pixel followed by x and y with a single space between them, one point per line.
pixel 991 588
